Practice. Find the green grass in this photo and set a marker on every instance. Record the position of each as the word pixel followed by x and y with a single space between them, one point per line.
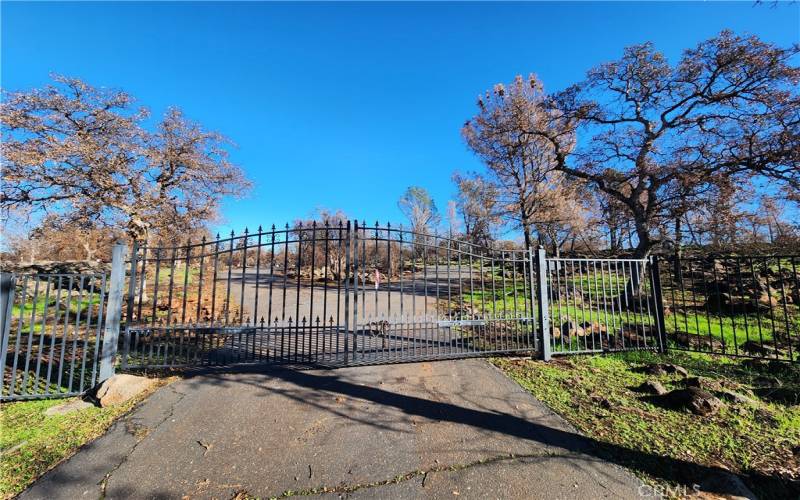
pixel 755 442
pixel 731 330
pixel 707 331
pixel 32 443
pixel 86 306
pixel 500 301
pixel 179 274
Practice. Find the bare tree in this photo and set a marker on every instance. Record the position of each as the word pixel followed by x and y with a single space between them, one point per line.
pixel 453 224
pixel 82 153
pixel 420 209
pixel 564 214
pixel 477 203
pixel 521 163
pixel 729 110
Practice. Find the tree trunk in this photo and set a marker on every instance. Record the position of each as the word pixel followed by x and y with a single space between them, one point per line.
pixel 614 239
pixel 642 251
pixel 526 228
pixel 678 249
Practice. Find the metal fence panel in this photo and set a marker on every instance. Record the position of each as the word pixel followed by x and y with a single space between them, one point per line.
pixel 601 305
pixel 734 305
pixel 51 335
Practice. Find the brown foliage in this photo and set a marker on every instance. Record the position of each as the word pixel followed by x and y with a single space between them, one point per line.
pixel 82 153
pixel 659 138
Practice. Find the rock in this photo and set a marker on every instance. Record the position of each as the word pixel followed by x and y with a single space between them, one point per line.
pixel 730 484
pixel 656 370
pixel 594 328
pixel 682 339
pixel 676 369
pixel 602 402
pixel 694 399
pixel 789 395
pixel 766 381
pixel 753 347
pixel 738 399
pixel 718 301
pixel 120 388
pixel 653 387
pixel 764 416
pixel 753 364
pixel 570 329
pixel 665 368
pixel 68 407
pixel 776 367
pixel 768 299
pixel 703 383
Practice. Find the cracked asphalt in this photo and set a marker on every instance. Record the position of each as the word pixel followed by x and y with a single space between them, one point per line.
pixel 423 430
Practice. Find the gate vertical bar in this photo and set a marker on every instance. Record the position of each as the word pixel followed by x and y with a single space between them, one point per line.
pixel 541 297
pixel 129 312
pixel 655 283
pixel 532 284
pixel 347 249
pixel 113 312
pixel 8 284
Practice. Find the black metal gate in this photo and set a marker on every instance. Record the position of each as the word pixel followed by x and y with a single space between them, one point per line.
pixel 333 293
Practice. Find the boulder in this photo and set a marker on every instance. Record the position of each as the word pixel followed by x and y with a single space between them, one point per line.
pixel 730 484
pixel 121 388
pixel 594 328
pixel 676 369
pixel 694 399
pixel 767 381
pixel 656 370
pixel 570 329
pixel 703 383
pixel 682 339
pixel 653 387
pixel 754 364
pixel 768 299
pixel 753 347
pixel 659 369
pixel 738 399
pixel 68 407
pixel 789 395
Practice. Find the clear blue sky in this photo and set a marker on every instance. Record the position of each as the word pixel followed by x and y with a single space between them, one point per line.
pixel 345 105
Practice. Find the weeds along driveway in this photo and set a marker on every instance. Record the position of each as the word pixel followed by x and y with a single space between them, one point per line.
pixel 433 430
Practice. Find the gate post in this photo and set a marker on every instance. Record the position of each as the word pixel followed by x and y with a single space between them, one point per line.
pixel 129 312
pixel 658 298
pixel 113 312
pixel 541 297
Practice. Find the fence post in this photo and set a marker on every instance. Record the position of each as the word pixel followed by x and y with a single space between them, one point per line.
pixel 126 346
pixel 8 284
pixel 655 278
pixel 544 314
pixel 113 312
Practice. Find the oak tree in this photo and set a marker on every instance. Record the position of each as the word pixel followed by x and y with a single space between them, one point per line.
pixel 655 136
pixel 83 154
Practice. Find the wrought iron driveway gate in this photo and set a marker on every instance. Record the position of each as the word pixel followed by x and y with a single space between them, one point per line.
pixel 329 294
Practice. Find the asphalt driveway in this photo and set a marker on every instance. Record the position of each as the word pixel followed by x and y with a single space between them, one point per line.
pixel 425 430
